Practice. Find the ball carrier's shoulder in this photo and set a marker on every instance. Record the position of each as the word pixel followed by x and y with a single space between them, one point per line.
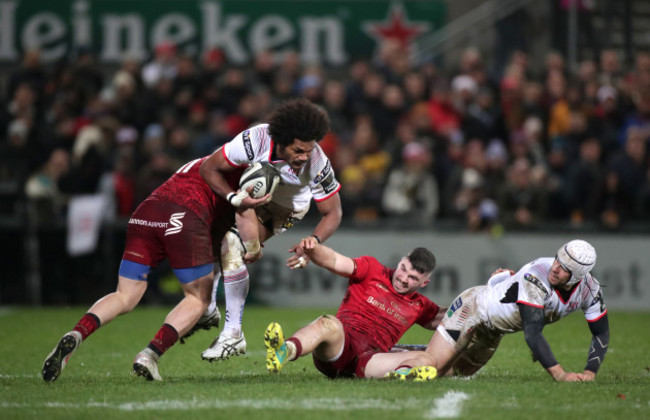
pixel 262 176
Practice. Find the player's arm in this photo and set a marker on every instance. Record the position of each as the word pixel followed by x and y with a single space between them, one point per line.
pixel 532 319
pixel 433 324
pixel 599 344
pixel 327 258
pixel 212 170
pixel 331 214
pixel 248 228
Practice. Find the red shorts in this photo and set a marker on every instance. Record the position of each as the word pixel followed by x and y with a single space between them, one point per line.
pixel 159 230
pixel 357 351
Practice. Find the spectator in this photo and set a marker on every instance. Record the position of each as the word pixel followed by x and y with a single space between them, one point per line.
pixel 630 164
pixel 639 117
pixel 415 88
pixel 16 162
pixel 481 119
pixel 186 84
pixel 496 160
pixel 163 65
pixel 233 88
pixel 610 68
pixel 444 117
pixel 411 192
pixel 607 119
pixel 612 202
pixel 264 68
pixel 521 203
pixel 30 73
pixel 310 85
pixel 390 111
pixel 179 147
pixel 583 180
pixel 335 103
pixel 87 78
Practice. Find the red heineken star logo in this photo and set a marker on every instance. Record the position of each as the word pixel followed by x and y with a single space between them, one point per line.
pixel 396 26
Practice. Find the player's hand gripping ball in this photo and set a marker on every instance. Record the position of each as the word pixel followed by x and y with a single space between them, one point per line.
pixel 262 176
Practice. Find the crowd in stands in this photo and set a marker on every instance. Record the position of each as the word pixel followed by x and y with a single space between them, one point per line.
pixel 409 141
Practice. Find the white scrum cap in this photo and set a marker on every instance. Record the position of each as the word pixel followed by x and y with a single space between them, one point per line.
pixel 577 257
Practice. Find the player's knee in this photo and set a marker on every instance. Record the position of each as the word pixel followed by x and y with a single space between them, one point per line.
pixel 128 302
pixel 425 359
pixel 328 323
pixel 232 252
pixel 204 290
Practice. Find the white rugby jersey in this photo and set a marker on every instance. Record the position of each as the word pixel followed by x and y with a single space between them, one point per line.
pixel 316 178
pixel 498 301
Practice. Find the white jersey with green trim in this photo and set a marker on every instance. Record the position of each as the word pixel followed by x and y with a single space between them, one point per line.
pixel 315 179
pixel 529 286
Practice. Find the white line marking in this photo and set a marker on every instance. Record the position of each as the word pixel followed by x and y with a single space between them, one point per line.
pixel 448 406
pixel 324 404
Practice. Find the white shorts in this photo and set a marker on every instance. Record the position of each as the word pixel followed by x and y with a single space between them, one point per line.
pixel 277 218
pixel 471 336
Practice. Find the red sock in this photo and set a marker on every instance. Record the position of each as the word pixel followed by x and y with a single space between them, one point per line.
pixel 298 345
pixel 164 339
pixel 87 325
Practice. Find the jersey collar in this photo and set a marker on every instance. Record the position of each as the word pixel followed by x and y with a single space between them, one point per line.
pixel 565 295
pixel 273 156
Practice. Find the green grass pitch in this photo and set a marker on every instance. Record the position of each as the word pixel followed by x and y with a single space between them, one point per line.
pixel 98 383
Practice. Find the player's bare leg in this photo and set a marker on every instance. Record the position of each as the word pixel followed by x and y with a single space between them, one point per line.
pixel 211 317
pixel 189 310
pixel 128 294
pixel 439 354
pixel 442 353
pixel 381 364
pixel 177 323
pixel 123 300
pixel 324 337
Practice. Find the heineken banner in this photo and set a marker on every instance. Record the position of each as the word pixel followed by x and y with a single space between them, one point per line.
pixel 329 32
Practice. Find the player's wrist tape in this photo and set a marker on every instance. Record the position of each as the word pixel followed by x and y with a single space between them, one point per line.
pixel 317 239
pixel 236 198
pixel 253 247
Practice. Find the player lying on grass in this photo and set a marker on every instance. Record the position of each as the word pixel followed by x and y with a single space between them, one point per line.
pixel 541 292
pixel 380 304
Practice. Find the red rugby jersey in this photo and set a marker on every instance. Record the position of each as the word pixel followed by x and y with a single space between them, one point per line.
pixel 373 308
pixel 188 189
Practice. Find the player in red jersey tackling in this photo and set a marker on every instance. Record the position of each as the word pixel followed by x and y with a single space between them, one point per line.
pixel 177 221
pixel 380 304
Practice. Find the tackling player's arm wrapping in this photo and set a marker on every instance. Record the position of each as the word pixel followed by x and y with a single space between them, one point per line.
pixel 599 343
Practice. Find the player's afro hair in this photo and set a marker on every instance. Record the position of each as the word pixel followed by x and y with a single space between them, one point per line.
pixel 297 119
pixel 422 260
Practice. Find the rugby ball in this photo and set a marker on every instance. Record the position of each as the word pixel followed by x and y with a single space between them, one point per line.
pixel 262 176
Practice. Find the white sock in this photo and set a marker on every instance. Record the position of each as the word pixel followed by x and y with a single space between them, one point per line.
pixel 291 351
pixel 236 284
pixel 215 285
